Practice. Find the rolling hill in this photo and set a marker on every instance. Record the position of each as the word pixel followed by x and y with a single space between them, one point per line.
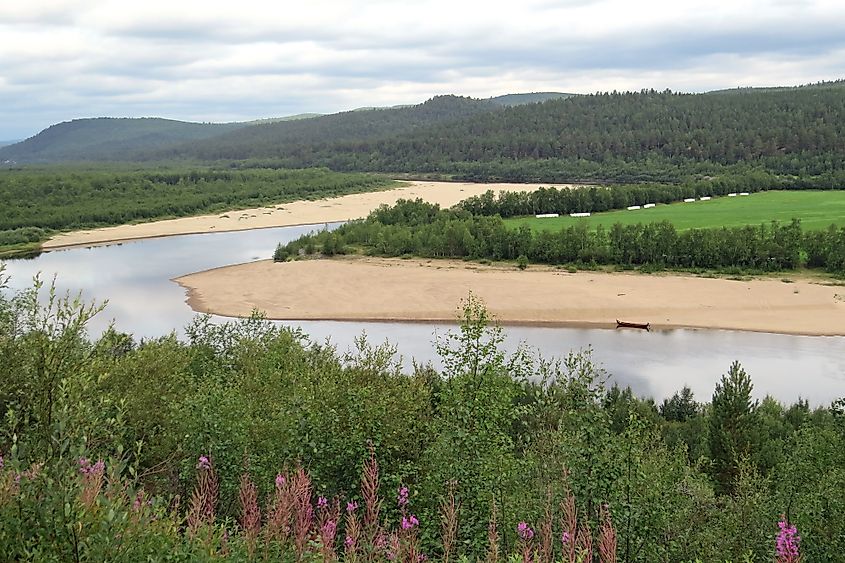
pixel 107 138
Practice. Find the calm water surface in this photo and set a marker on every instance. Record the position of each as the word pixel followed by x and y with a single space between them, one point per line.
pixel 135 278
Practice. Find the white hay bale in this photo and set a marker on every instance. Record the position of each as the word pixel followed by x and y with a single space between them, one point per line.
pixel 705 198
pixel 732 195
pixel 633 207
pixel 546 215
pixel 744 193
pixel 648 206
pixel 689 200
pixel 579 214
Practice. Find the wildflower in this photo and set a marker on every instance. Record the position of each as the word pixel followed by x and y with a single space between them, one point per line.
pixel 564 538
pixel 422 558
pixel 329 528
pixel 322 502
pixel 2 462
pixel 786 545
pixel 525 532
pixel 84 465
pixel 204 462
pixel 280 480
pixel 402 497
pixel 349 543
pixel 409 522
pixel 351 506
pixel 381 541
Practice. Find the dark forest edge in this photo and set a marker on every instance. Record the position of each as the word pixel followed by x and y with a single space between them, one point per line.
pixel 40 202
pixel 421 229
pixel 101 437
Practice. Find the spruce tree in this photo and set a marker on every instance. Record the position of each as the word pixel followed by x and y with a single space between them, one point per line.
pixel 731 426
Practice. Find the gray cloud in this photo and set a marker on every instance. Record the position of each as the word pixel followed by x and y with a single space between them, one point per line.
pixel 63 59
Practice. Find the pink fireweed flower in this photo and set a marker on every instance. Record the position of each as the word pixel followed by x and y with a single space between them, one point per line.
pixel 381 541
pixel 409 522
pixel 203 463
pixel 351 506
pixel 786 544
pixel 422 558
pixel 2 462
pixel 329 528
pixel 280 480
pixel 322 502
pixel 564 538
pixel 349 542
pixel 525 532
pixel 402 497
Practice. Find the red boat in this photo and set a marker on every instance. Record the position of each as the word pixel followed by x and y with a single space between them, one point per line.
pixel 623 324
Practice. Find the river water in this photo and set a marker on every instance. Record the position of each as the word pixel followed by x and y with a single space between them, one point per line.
pixel 135 279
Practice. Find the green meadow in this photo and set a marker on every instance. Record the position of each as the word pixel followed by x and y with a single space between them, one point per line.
pixel 815 209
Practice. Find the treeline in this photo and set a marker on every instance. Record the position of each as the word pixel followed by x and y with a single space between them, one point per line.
pixel 628 137
pixel 422 229
pixel 601 198
pixel 38 201
pixel 101 438
pixel 302 140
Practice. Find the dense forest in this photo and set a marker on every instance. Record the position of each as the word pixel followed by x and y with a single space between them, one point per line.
pixel 38 202
pixel 422 229
pixel 613 136
pixel 619 136
pixel 244 441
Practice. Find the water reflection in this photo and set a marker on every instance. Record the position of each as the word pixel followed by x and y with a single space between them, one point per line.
pixel 135 277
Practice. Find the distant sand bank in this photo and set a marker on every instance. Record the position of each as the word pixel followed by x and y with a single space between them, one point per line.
pixel 418 290
pixel 344 208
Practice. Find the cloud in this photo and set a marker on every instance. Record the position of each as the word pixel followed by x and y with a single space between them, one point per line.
pixel 197 60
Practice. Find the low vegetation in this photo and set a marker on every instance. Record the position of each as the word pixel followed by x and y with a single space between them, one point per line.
pixel 816 210
pixel 39 202
pixel 422 229
pixel 246 442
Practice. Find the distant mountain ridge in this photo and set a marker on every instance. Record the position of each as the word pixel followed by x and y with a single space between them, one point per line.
pixel 111 139
pixel 627 136
pixel 108 138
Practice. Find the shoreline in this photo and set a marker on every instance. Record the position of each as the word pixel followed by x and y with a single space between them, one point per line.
pixel 419 291
pixel 296 213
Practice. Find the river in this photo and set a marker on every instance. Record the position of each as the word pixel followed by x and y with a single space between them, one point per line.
pixel 135 279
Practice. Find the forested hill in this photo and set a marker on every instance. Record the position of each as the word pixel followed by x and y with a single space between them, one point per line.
pixel 316 138
pixel 628 137
pixel 625 136
pixel 107 138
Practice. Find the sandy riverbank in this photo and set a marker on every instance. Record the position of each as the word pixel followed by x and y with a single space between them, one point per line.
pixel 418 290
pixel 344 208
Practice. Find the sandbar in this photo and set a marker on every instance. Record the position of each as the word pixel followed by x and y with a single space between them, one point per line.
pixel 328 210
pixel 378 289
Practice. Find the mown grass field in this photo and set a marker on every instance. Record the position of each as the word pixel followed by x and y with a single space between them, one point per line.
pixel 816 209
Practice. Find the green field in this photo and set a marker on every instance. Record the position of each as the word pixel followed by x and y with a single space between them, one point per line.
pixel 816 209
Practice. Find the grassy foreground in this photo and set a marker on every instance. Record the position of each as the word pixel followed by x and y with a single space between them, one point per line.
pixel 816 209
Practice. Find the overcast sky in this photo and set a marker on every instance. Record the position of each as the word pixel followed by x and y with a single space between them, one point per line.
pixel 248 59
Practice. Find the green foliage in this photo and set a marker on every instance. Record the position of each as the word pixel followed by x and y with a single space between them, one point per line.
pixel 732 418
pixel 514 431
pixel 418 228
pixel 626 137
pixel 37 202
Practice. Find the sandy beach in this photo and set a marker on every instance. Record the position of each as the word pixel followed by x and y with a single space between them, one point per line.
pixel 420 290
pixel 344 208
